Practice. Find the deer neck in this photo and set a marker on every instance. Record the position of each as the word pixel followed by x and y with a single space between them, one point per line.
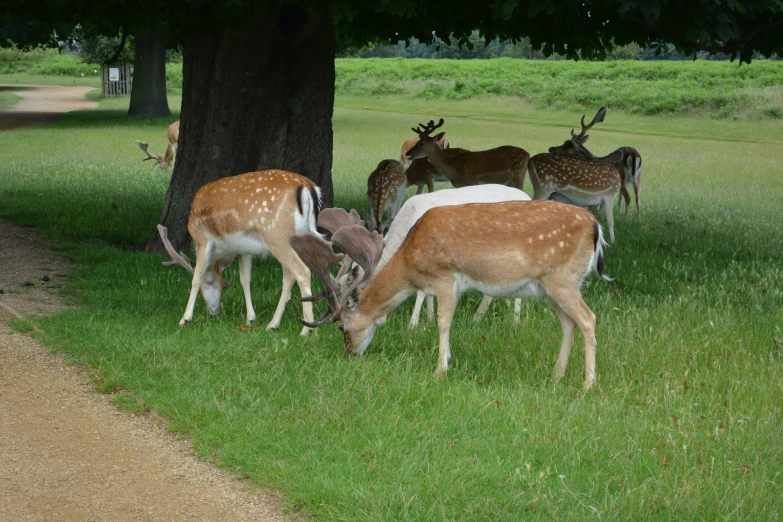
pixel 443 163
pixel 385 291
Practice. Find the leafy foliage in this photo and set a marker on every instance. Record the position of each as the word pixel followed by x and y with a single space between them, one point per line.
pixel 722 88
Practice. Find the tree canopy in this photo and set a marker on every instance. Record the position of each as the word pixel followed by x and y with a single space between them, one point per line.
pixel 572 28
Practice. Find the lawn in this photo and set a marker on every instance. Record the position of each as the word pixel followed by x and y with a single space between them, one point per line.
pixel 685 421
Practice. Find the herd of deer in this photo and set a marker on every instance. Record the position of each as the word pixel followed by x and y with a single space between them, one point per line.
pixel 485 234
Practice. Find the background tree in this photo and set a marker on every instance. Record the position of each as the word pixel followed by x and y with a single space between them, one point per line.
pixel 258 76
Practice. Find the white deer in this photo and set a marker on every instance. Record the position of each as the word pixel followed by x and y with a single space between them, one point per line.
pixel 248 215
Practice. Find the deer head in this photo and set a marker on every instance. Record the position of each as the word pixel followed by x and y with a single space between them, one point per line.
pixel 575 146
pixel 214 284
pixel 365 248
pixel 426 140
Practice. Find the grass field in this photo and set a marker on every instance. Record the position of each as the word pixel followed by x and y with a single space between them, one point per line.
pixel 7 97
pixel 685 422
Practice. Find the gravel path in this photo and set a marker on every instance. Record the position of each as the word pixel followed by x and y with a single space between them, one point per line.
pixel 41 104
pixel 66 452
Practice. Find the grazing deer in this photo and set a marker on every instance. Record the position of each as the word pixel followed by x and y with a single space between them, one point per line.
pixel 504 165
pixel 457 248
pixel 405 160
pixel 631 172
pixel 332 219
pixel 572 174
pixel 250 214
pixel 385 193
pixel 171 151
pixel 421 172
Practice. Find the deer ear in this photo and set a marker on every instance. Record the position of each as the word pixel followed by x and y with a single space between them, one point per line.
pixel 438 136
pixel 353 300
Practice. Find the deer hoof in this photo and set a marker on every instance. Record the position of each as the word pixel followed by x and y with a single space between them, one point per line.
pixel 184 322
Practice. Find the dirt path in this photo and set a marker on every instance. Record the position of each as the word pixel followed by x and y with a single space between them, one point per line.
pixel 42 104
pixel 66 452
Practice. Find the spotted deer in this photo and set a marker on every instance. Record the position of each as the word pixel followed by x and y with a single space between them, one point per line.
pixel 630 168
pixel 252 214
pixel 333 219
pixel 385 193
pixel 572 174
pixel 452 249
pixel 504 165
pixel 421 172
pixel 171 151
pixel 405 160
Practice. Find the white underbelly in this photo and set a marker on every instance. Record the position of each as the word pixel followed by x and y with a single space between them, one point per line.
pixel 527 288
pixel 242 243
pixel 578 198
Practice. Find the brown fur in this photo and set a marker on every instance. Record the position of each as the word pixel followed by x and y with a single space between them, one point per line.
pixel 503 165
pixel 494 244
pixel 421 172
pixel 173 137
pixel 408 145
pixel 383 189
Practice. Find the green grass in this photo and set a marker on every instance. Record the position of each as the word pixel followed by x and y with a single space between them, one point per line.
pixel 685 422
pixel 720 89
pixel 8 98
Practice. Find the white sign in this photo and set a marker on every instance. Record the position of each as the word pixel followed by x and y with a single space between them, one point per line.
pixel 114 74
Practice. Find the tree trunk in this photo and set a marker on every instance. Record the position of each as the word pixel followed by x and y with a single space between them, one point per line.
pixel 251 101
pixel 148 95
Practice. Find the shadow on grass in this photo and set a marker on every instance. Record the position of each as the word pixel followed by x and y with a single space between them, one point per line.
pixel 103 118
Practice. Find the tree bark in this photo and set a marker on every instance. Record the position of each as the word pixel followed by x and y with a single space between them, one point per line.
pixel 254 100
pixel 148 95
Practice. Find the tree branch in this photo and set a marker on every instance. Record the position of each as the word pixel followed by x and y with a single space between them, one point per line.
pixel 120 47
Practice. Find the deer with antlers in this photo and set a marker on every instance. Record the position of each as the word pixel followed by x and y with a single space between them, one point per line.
pixel 171 151
pixel 333 219
pixel 456 248
pixel 629 167
pixel 247 215
pixel 572 174
pixel 408 145
pixel 385 193
pixel 421 172
pixel 503 165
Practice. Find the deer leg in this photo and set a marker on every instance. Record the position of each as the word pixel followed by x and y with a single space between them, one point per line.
pixel 414 322
pixel 624 195
pixel 483 307
pixel 199 272
pixel 419 188
pixel 608 204
pixel 288 282
pixel 568 325
pixel 245 266
pixel 430 185
pixel 303 281
pixel 447 302
pixel 570 301
pixel 637 189
pixel 517 309
pixel 430 307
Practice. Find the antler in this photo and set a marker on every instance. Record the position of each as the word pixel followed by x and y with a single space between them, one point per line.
pixel 364 247
pixel 332 219
pixel 143 146
pixel 428 128
pixel 176 259
pixel 319 257
pixel 599 117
